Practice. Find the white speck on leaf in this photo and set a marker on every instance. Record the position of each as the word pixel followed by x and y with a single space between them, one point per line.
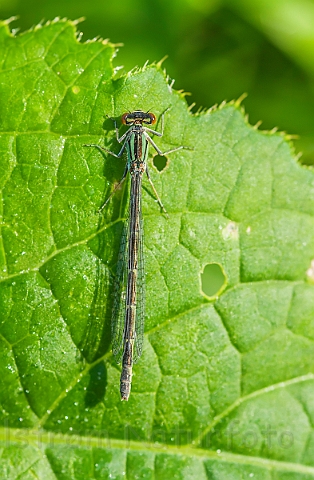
pixel 231 231
pixel 310 272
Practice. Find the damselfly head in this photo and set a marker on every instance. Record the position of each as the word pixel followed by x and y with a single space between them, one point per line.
pixel 138 117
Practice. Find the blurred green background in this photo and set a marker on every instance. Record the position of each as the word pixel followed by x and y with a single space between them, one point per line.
pixel 217 49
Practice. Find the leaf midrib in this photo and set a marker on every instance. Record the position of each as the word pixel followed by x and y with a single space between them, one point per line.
pixel 41 439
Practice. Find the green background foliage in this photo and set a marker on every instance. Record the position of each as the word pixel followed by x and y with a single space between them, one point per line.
pixel 225 386
pixel 217 49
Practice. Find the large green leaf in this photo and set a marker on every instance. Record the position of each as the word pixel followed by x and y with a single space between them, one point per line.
pixel 225 386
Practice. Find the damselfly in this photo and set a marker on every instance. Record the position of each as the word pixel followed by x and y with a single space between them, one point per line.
pixel 129 287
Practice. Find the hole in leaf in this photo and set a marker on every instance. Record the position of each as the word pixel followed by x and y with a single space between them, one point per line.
pixel 213 279
pixel 160 162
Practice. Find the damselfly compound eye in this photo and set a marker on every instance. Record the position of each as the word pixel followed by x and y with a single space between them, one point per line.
pixel 152 118
pixel 124 118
